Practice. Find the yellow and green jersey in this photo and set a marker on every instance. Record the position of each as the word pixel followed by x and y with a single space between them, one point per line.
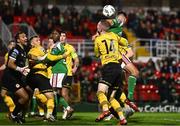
pixel 58 66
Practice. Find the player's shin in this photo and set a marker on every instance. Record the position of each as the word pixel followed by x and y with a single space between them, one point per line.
pixel 41 110
pixel 55 104
pixel 131 86
pixel 103 100
pixel 63 102
pixel 9 102
pixel 123 97
pixel 33 103
pixel 50 106
pixel 115 104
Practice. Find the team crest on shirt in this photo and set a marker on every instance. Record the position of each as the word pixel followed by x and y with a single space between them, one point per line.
pixel 17 85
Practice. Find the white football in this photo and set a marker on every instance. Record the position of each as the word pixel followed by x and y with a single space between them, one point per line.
pixel 108 10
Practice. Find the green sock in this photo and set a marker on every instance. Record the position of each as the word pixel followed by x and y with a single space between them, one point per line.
pixel 34 103
pixel 55 102
pixel 131 85
pixel 63 102
pixel 56 99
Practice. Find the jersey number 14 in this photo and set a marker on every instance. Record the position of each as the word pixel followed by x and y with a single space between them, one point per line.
pixel 111 48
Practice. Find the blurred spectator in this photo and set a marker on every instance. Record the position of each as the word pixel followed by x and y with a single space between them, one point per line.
pixel 165 67
pixel 173 68
pixel 164 89
pixel 85 12
pixel 55 11
pixel 18 7
pixel 7 17
pixel 30 11
pixel 85 31
pixel 86 60
pixel 85 83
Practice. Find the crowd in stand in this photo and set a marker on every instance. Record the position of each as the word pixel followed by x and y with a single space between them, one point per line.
pixel 163 73
pixel 145 23
pixel 155 24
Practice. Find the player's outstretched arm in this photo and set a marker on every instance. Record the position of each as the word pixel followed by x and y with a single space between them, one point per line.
pixel 52 57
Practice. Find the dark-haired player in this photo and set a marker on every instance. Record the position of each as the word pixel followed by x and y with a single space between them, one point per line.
pixel 16 69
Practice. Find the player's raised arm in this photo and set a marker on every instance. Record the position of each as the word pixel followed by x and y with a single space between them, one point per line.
pixel 96 50
pixel 52 57
pixel 122 41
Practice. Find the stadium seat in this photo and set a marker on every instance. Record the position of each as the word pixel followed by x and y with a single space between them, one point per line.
pixel 92 27
pixel 155 95
pixel 18 19
pixel 177 87
pixel 31 20
pixel 149 93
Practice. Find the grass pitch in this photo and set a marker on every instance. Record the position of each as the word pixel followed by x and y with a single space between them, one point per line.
pixel 87 118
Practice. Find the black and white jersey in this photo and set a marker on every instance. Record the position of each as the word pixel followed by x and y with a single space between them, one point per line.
pixel 19 55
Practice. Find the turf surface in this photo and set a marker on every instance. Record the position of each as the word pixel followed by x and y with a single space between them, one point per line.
pixel 87 118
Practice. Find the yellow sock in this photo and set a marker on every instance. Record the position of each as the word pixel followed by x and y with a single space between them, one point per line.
pixel 103 100
pixel 41 110
pixel 42 98
pixel 50 106
pixel 123 97
pixel 9 102
pixel 116 106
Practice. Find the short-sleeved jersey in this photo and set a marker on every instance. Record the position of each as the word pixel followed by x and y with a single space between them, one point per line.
pixel 106 46
pixel 19 55
pixel 39 68
pixel 71 54
pixel 116 27
pixel 123 49
pixel 60 65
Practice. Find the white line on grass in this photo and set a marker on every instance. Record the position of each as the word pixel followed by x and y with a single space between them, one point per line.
pixel 176 120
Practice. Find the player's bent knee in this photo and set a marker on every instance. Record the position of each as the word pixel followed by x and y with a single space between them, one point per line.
pixel 99 93
pixel 49 95
pixel 64 93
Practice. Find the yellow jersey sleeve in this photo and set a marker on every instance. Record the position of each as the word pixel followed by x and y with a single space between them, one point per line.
pixel 123 45
pixel 5 58
pixel 54 57
pixel 96 50
pixel 123 41
pixel 71 54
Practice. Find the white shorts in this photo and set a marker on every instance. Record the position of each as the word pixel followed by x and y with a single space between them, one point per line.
pixel 56 80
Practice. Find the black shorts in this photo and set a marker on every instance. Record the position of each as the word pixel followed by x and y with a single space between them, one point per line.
pixel 39 81
pixel 112 75
pixel 67 83
pixel 12 80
